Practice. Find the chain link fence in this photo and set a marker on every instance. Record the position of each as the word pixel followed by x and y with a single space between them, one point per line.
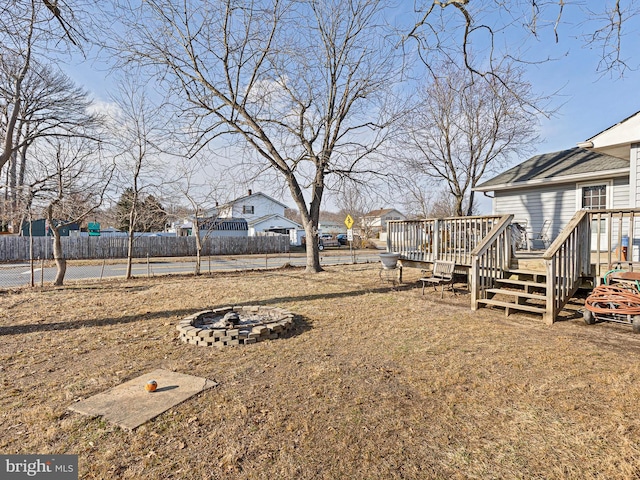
pixel 43 272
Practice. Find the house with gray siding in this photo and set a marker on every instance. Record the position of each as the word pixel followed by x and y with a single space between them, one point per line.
pixel 544 192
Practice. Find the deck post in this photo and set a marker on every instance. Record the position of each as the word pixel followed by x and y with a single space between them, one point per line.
pixel 436 240
pixel 550 314
pixel 475 287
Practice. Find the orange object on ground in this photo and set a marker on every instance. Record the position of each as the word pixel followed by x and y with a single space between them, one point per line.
pixel 151 386
pixel 608 299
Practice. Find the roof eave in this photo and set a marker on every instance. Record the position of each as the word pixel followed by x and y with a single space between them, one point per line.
pixel 619 172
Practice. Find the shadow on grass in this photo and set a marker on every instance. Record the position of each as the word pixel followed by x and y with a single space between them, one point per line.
pixel 95 322
pixel 103 322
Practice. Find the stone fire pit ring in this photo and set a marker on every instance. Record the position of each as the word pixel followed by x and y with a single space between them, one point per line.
pixel 235 325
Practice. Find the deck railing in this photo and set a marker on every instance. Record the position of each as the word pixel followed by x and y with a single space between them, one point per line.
pixel 432 239
pixel 491 257
pixel 614 237
pixel 591 244
pixel 567 261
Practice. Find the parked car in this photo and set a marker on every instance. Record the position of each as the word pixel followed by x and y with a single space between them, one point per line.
pixel 342 239
pixel 327 240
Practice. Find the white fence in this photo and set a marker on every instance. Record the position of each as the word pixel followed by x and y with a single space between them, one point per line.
pixel 14 249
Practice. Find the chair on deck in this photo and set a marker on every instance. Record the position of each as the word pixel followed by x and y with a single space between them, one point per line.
pixel 442 274
pixel 541 236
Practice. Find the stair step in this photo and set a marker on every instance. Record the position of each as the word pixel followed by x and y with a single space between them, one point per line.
pixel 523 283
pixel 517 293
pixel 520 271
pixel 513 306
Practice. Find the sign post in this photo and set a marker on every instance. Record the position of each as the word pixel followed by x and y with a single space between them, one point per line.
pixel 349 223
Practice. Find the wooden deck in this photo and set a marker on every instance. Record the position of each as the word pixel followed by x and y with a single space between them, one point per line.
pixel 484 248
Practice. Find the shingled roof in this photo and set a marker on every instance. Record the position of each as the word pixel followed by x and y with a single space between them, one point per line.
pixel 573 162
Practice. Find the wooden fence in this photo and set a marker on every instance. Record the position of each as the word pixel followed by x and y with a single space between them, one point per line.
pixel 14 249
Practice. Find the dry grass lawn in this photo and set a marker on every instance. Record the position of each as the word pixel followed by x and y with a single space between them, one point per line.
pixel 375 383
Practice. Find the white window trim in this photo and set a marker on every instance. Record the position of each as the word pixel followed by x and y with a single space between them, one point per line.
pixel 580 186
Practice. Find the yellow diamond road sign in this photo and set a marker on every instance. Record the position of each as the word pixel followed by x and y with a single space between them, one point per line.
pixel 348 221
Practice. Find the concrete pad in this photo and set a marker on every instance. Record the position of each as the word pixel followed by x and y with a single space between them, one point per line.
pixel 129 405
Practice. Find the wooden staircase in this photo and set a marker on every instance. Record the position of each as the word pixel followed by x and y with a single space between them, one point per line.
pixel 520 290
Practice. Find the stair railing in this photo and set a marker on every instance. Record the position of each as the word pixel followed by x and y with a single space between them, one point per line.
pixel 489 259
pixel 567 260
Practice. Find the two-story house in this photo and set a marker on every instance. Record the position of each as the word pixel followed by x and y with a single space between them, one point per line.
pixel 261 212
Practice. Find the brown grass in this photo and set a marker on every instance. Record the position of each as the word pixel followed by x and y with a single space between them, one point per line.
pixel 375 383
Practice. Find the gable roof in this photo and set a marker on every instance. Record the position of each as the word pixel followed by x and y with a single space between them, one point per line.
pixel 557 167
pixel 284 221
pixel 617 139
pixel 251 195
pixel 382 212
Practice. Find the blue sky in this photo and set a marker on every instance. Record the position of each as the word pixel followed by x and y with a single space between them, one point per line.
pixel 588 101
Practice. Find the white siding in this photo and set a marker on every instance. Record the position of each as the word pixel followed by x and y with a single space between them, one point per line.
pixel 262 206
pixel 620 195
pixel 556 203
pixel 535 205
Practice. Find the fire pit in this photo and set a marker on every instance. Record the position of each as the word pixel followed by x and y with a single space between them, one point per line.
pixel 235 325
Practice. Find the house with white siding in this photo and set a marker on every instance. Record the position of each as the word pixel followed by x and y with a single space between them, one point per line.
pixel 376 221
pixel 544 192
pixel 251 206
pixel 261 213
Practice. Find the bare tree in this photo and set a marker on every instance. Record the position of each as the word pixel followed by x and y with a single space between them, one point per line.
pixel 50 105
pixel 418 194
pixel 70 184
pixel 302 83
pixel 357 200
pixel 202 192
pixel 18 65
pixel 137 130
pixel 31 31
pixel 462 128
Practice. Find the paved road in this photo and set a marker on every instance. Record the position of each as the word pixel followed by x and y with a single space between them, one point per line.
pixel 19 274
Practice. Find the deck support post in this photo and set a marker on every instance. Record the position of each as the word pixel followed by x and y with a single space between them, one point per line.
pixel 550 314
pixel 436 240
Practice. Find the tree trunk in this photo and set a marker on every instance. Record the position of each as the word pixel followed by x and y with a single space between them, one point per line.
pixel 459 200
pixel 132 222
pixel 470 208
pixel 196 226
pixel 310 218
pixel 313 250
pixel 58 256
pixel 127 274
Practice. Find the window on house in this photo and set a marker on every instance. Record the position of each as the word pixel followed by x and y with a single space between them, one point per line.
pixel 247 209
pixel 594 197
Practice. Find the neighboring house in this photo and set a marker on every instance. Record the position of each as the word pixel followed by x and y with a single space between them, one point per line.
pixel 252 206
pixel 183 229
pixel 261 213
pixel 331 227
pixel 273 223
pixel 545 191
pixel 376 220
